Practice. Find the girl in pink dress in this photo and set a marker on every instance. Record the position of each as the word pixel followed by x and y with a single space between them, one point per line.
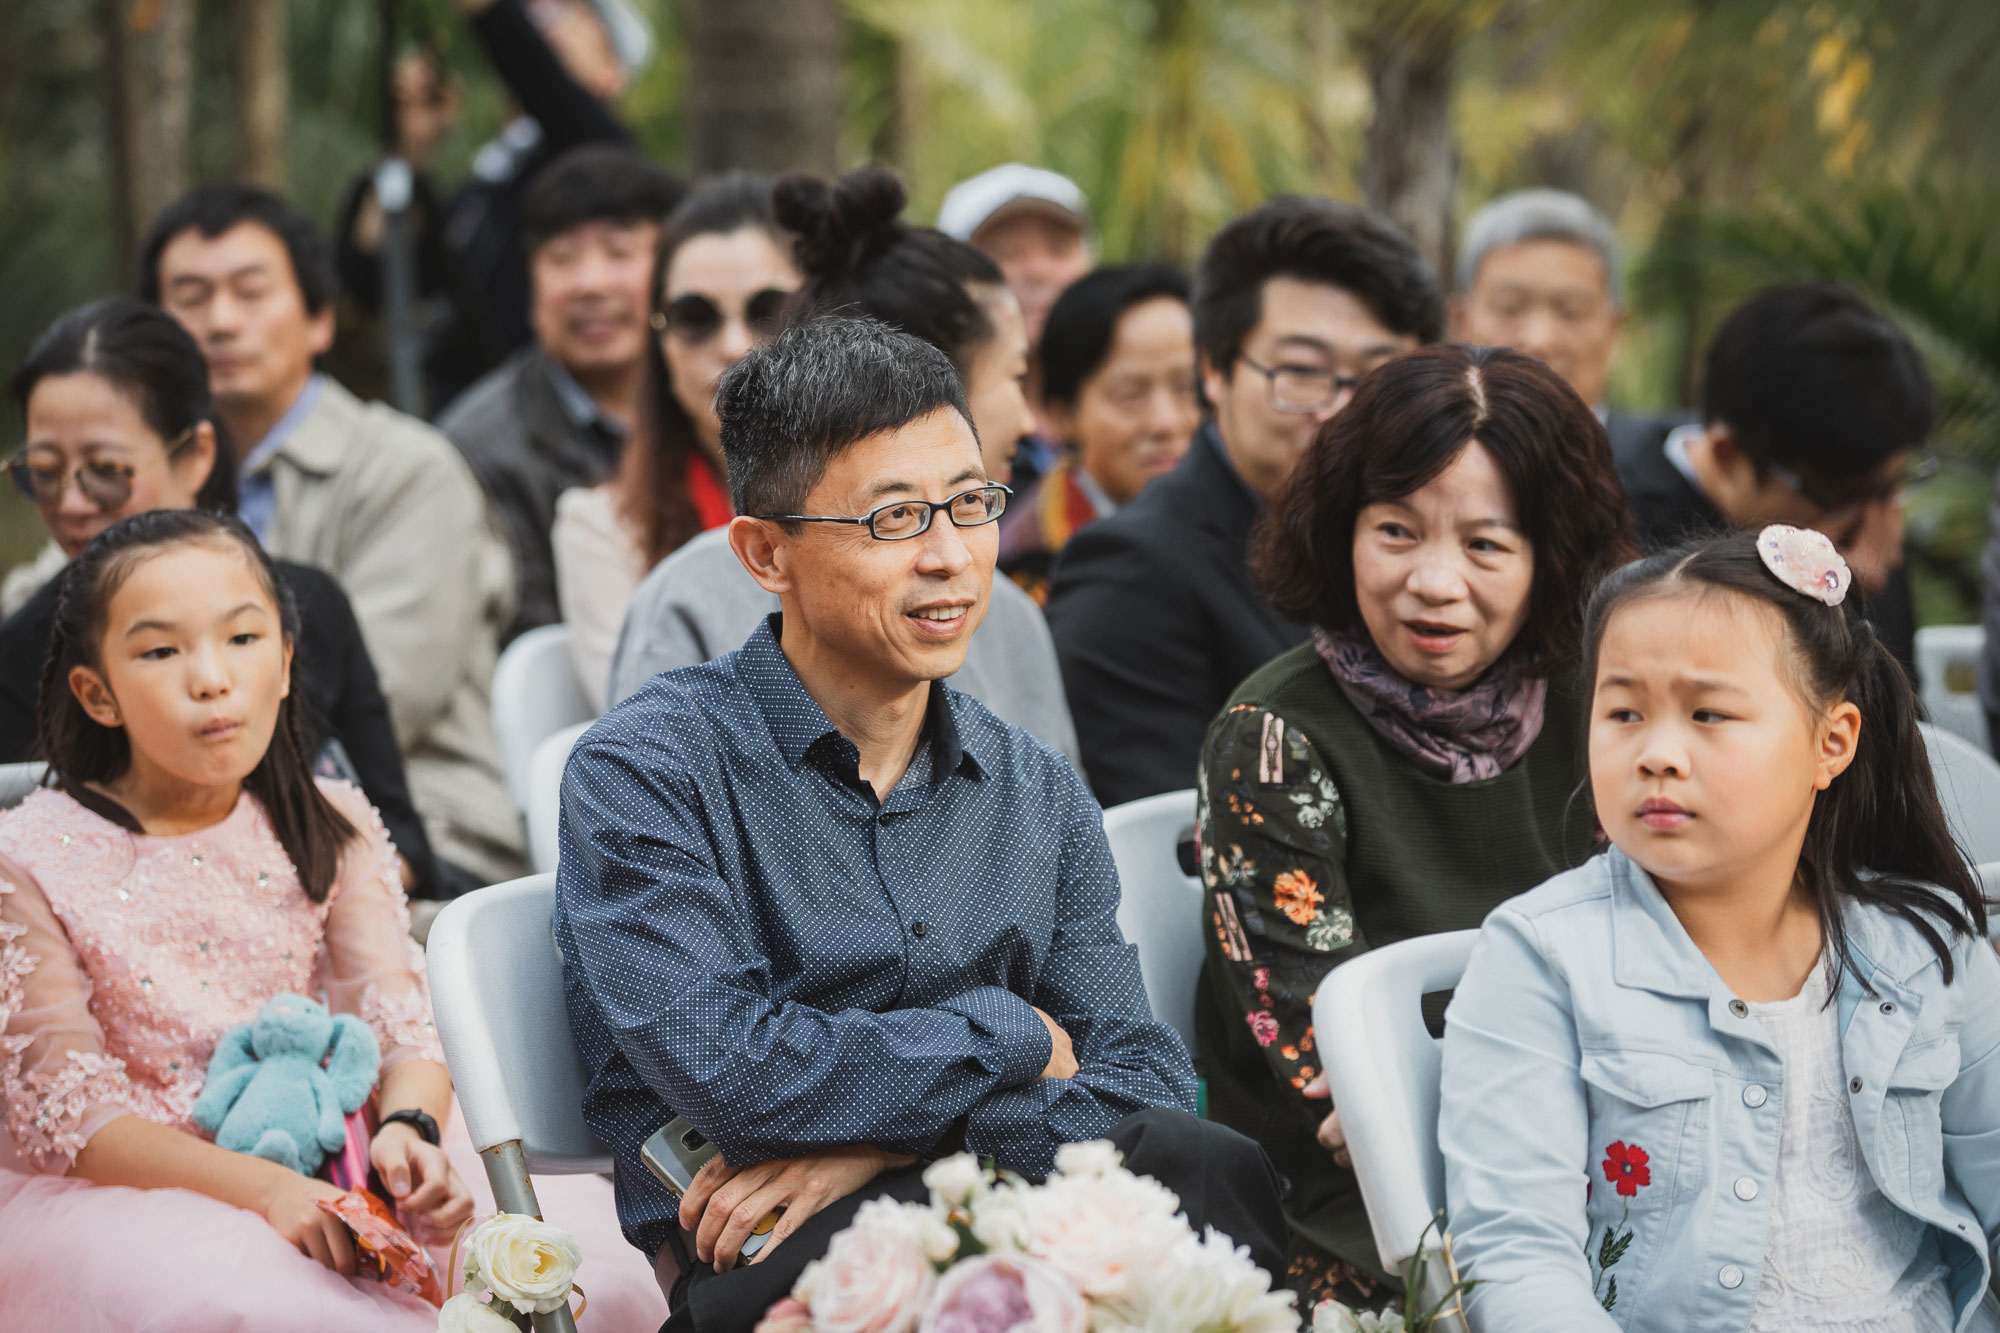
pixel 180 869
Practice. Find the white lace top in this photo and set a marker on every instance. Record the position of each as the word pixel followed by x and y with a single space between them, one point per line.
pixel 1839 1256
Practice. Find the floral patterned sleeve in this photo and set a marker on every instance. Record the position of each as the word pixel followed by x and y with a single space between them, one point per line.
pixel 58 1083
pixel 1272 837
pixel 370 966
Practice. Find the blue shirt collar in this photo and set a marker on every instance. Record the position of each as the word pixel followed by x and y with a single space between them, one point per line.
pixel 577 404
pixel 801 727
pixel 283 428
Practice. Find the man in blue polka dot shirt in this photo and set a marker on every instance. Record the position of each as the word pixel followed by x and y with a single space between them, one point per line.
pixel 831 911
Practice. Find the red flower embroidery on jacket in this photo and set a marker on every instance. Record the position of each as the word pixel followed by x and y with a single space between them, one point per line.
pixel 1626 1167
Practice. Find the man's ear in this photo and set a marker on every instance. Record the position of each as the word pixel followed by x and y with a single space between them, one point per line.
pixel 95 696
pixel 760 544
pixel 1214 383
pixel 319 330
pixel 1840 733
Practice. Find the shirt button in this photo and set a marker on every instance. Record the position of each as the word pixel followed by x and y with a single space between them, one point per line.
pixel 1754 1096
pixel 1731 1276
pixel 1740 1009
pixel 917 929
pixel 1854 1084
pixel 1746 1189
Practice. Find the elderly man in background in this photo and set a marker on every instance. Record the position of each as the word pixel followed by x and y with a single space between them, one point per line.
pixel 828 910
pixel 1035 224
pixel 1539 271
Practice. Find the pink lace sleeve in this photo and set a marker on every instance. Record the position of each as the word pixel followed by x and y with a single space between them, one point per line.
pixel 371 968
pixel 58 1085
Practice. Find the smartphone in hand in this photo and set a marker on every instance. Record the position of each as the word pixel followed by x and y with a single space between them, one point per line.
pixel 675 1152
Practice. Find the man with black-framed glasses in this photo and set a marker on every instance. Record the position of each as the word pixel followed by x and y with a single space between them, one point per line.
pixel 1155 614
pixel 830 911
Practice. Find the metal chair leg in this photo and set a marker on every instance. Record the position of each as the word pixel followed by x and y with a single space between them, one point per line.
pixel 514 1192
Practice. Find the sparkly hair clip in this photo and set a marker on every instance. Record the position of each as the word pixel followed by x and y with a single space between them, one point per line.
pixel 1805 561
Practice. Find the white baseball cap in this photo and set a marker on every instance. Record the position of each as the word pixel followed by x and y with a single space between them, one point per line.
pixel 973 203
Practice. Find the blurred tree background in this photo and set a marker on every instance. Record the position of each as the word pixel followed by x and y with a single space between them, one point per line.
pixel 1735 142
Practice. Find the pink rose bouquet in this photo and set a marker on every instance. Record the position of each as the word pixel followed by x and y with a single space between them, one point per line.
pixel 1095 1249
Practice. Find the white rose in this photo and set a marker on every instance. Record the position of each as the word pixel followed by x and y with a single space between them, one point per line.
pixel 1002 1218
pixel 876 1276
pixel 954 1180
pixel 1211 1284
pixel 1106 1233
pixel 1005 1293
pixel 526 1262
pixel 466 1313
pixel 1087 1160
pixel 1333 1317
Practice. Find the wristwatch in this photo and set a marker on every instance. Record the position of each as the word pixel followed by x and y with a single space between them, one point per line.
pixel 420 1121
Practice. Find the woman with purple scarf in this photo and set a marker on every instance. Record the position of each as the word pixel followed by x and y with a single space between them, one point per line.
pixel 1411 765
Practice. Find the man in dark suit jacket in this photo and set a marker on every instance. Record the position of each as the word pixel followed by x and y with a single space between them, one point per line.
pixel 1154 610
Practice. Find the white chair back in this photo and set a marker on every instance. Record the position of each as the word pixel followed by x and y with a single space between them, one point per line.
pixel 1948 668
pixel 545 794
pixel 1968 781
pixel 1159 904
pixel 535 694
pixel 1383 1066
pixel 496 989
pixel 17 780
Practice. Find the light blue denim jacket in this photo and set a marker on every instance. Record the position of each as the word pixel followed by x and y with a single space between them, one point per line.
pixel 1587 1018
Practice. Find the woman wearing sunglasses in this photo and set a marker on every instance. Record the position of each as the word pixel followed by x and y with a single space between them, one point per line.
pixel 119 422
pixel 721 281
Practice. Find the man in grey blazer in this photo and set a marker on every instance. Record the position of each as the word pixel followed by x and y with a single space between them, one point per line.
pixel 378 499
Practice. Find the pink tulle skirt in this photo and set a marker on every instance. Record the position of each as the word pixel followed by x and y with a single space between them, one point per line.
pixel 83 1258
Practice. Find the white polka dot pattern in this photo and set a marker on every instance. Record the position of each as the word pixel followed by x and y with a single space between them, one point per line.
pixel 751 940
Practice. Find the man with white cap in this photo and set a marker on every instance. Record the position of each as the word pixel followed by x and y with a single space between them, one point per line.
pixel 1035 224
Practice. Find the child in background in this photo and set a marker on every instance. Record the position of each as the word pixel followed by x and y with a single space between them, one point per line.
pixel 182 868
pixel 1742 1071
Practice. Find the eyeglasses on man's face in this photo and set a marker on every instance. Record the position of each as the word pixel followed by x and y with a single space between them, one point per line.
pixel 1916 470
pixel 1302 389
pixel 104 482
pixel 900 520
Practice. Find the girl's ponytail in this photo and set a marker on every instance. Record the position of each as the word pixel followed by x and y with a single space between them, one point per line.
pixel 1878 833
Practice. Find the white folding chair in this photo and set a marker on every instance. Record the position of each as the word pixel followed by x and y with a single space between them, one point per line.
pixel 1968 782
pixel 535 694
pixel 17 780
pixel 496 991
pixel 1159 904
pixel 1384 1067
pixel 545 794
pixel 1948 667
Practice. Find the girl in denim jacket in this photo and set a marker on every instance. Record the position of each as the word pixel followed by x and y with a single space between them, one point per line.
pixel 1742 1071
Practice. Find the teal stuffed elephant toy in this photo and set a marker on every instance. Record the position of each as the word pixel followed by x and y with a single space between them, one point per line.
pixel 281 1086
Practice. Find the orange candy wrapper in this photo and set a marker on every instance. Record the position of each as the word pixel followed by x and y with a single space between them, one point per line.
pixel 383 1249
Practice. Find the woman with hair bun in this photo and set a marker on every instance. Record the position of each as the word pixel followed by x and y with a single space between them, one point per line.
pixel 859 257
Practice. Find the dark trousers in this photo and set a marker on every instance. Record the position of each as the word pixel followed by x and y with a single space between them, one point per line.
pixel 1224 1180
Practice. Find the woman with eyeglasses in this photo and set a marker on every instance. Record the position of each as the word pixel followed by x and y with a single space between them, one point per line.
pixel 722 278
pixel 120 422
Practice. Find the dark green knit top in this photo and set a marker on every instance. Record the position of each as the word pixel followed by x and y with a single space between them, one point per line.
pixel 1319 839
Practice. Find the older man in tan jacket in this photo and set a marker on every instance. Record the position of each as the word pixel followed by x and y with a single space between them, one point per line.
pixel 377 498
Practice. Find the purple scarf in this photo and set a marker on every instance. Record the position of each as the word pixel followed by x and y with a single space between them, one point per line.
pixel 1461 735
